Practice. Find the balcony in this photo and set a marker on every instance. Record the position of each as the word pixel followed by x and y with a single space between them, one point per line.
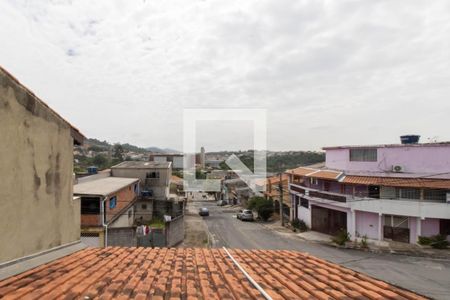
pixel 318 194
pixel 405 207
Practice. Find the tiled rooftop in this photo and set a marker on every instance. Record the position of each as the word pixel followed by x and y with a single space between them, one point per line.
pixel 186 273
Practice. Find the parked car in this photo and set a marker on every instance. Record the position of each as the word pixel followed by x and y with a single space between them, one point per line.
pixel 204 212
pixel 221 203
pixel 245 215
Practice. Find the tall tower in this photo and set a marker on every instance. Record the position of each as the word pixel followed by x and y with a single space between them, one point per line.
pixel 202 157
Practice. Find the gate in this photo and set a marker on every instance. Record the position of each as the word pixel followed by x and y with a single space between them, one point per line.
pixel 396 228
pixel 328 221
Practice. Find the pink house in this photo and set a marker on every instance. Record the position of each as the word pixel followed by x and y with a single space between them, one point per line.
pixel 384 192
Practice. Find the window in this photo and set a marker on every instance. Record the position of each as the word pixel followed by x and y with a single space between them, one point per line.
pixel 152 175
pixel 408 193
pixel 112 202
pixel 313 181
pixel 435 195
pixel 363 154
pixel 135 188
pixel 90 206
pixel 304 202
pixel 130 214
pixel 144 206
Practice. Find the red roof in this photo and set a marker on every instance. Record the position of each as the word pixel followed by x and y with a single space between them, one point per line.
pixel 186 273
pixel 399 182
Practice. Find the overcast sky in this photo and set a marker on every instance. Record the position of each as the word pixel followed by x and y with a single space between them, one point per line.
pixel 328 72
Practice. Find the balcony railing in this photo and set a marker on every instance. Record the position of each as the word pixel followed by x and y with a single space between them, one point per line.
pixel 349 198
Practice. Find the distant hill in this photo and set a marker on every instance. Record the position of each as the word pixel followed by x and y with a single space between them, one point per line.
pixel 162 150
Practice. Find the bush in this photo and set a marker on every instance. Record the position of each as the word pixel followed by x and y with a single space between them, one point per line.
pixel 341 237
pixel 424 240
pixel 364 241
pixel 263 206
pixel 439 242
pixel 300 225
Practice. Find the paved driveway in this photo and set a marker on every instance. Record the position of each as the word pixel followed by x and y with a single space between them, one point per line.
pixel 429 277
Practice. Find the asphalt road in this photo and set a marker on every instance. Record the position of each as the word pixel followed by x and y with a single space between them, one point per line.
pixel 430 277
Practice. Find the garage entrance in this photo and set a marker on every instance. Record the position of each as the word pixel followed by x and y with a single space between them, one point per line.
pixel 328 221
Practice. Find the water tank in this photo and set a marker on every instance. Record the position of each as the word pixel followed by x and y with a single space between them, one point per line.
pixel 92 170
pixel 410 139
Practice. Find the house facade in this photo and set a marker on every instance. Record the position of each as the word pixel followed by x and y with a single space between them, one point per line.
pixel 106 203
pixel 154 185
pixel 39 212
pixel 383 192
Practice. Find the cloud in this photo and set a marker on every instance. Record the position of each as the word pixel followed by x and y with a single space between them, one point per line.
pixel 327 71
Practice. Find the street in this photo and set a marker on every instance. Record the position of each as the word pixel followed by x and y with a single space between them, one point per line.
pixel 430 277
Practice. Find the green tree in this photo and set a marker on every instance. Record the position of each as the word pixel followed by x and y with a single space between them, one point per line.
pixel 118 152
pixel 263 206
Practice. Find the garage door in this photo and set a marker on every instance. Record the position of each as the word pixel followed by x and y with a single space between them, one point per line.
pixel 328 221
pixel 90 239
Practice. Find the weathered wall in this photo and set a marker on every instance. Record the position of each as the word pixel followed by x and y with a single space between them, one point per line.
pixel 414 158
pixel 159 186
pixel 142 214
pixel 123 237
pixel 175 231
pixel 36 204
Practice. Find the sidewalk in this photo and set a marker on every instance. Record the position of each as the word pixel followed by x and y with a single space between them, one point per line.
pixel 385 247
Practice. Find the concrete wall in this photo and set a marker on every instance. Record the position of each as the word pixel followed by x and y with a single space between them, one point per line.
pixel 367 224
pixel 36 162
pixel 142 214
pixel 414 159
pixel 122 237
pixel 126 219
pixel 159 186
pixel 175 231
pixel 430 227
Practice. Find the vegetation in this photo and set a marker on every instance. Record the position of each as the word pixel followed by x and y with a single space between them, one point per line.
pixel 300 225
pixel 341 237
pixel 364 241
pixel 157 222
pixel 437 241
pixel 263 206
pixel 281 161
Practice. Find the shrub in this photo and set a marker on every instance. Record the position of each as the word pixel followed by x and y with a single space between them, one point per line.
pixel 300 225
pixel 439 242
pixel 341 237
pixel 424 240
pixel 263 206
pixel 364 241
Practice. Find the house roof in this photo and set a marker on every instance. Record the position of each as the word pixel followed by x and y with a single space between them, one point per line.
pixel 386 179
pixel 398 182
pixel 187 273
pixel 315 173
pixel 143 165
pixel 37 106
pixel 103 186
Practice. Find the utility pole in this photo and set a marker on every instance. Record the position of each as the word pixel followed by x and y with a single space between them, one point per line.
pixel 280 189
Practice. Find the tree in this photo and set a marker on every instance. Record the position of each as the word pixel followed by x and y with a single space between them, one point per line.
pixel 118 152
pixel 100 161
pixel 263 206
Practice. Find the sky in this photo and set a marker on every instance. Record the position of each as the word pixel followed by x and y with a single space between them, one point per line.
pixel 327 72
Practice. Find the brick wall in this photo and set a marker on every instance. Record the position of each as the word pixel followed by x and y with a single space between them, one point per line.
pixel 124 197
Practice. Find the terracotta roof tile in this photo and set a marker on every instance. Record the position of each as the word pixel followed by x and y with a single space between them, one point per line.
pixel 186 273
pixel 398 182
